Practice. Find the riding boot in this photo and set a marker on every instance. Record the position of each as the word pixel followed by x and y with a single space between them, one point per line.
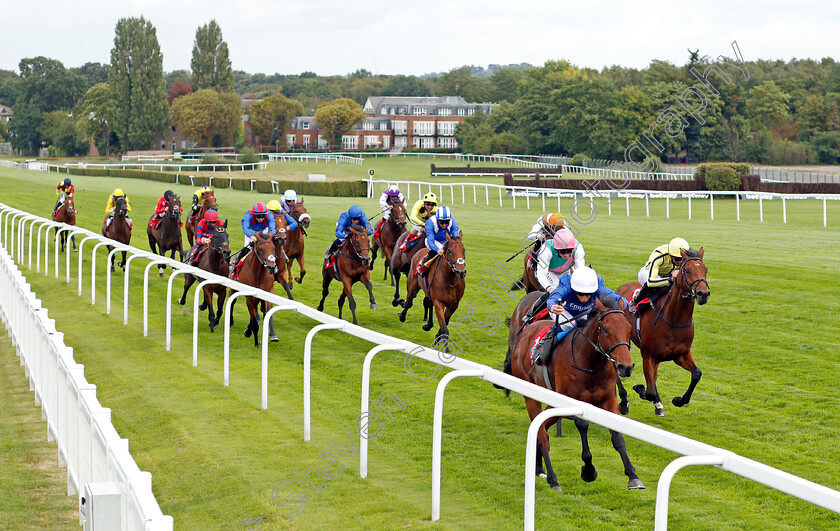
pixel 644 292
pixel 332 250
pixel 543 350
pixel 423 266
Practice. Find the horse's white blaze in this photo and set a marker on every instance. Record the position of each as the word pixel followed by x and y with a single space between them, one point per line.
pixel 460 261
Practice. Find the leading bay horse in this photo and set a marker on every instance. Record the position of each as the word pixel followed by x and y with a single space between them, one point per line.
pixel 281 239
pixel 166 235
pixel 294 240
pixel 351 265
pixel 258 270
pixel 444 287
pixel 667 329
pixel 66 213
pixel 401 263
pixel 119 229
pixel 215 260
pixel 390 232
pixel 584 365
pixel 208 204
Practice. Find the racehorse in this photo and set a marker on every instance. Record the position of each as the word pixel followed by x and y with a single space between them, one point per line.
pixel 208 204
pixel 584 365
pixel 258 270
pixel 119 230
pixel 66 213
pixel 668 330
pixel 215 260
pixel 351 266
pixel 294 240
pixel 167 234
pixel 388 236
pixel 280 241
pixel 401 263
pixel 529 277
pixel 444 286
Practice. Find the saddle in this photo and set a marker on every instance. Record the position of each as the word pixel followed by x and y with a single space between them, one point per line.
pixel 409 242
pixel 541 338
pixel 645 303
pixel 378 228
pixel 238 267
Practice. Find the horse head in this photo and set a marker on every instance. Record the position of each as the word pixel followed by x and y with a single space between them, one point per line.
pixel 299 213
pixel 220 241
pixel 120 208
pixel 173 207
pixel 360 243
pixel 691 280
pixel 210 201
pixel 613 337
pixel 264 249
pixel 455 255
pixel 398 215
pixel 70 212
pixel 281 234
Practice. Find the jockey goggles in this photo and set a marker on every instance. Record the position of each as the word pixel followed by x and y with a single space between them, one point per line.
pixel 565 251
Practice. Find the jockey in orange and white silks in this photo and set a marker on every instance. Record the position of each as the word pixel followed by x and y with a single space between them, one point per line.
pixel 559 256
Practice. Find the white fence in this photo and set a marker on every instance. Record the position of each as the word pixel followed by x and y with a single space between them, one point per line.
pixel 589 202
pixel 316 157
pixel 784 175
pixel 88 445
pixel 13 230
pixel 179 167
pixel 623 175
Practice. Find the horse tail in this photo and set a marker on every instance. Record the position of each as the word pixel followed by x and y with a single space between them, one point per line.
pixel 519 284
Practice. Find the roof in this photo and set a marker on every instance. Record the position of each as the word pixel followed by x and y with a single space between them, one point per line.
pixel 405 105
pixel 6 111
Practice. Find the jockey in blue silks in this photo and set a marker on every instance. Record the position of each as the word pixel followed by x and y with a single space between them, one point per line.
pixel 574 295
pixel 255 220
pixel 438 227
pixel 354 216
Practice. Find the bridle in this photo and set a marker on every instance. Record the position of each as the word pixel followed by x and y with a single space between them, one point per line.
pixel 598 348
pixel 262 259
pixel 358 250
pixel 447 253
pixel 691 294
pixel 218 232
pixel 173 208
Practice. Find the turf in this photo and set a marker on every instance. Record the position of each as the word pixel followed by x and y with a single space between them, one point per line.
pixel 765 342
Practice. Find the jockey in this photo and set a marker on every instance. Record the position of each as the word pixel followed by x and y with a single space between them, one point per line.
pixel 287 202
pixel 275 207
pixel 64 189
pixel 112 203
pixel 660 270
pixel 575 295
pixel 255 220
pixel 390 197
pixel 437 227
pixel 420 213
pixel 544 229
pixel 203 233
pixel 160 209
pixel 198 201
pixel 354 216
pixel 559 256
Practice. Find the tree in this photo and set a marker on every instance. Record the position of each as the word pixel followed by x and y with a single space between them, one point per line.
pixel 136 78
pixel 94 73
pixel 270 117
pixel 337 117
pixel 406 86
pixel 827 146
pixel 207 117
pixel 4 132
pixel 94 116
pixel 58 130
pixel 46 84
pixel 9 85
pixel 767 104
pixel 176 75
pixel 178 89
pixel 24 128
pixel 211 68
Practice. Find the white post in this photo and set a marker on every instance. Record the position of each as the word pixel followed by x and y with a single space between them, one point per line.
pixel 825 218
pixel 689 207
pixel 627 204
pixel 437 435
pixel 146 295
pixel 307 358
pixel 111 256
pixel 93 271
pixel 81 255
pixel 125 285
pixel 267 319
pixel 169 304
pixel 667 207
pixel 487 195
pixel 760 208
pixel 500 196
pixel 228 304
pixel 738 207
pixel 531 456
pixel 663 487
pixel 784 210
pixel 712 204
pixel 475 200
pixel 363 439
pixel 647 205
pixel 198 292
pixel 542 195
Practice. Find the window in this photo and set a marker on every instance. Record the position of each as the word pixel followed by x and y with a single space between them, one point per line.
pixel 400 127
pixel 447 142
pixel 306 141
pixel 163 144
pixel 173 128
pixel 461 111
pixel 424 128
pixel 419 111
pixel 400 142
pixel 386 142
pixel 371 141
pixel 173 145
pixel 446 128
pixel 290 140
pixel 183 144
pixel 383 126
pixel 305 125
pixel 471 112
pixel 445 111
pixel 367 126
pixel 350 142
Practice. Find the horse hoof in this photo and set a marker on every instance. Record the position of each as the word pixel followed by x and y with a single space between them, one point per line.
pixel 371 267
pixel 247 332
pixel 542 475
pixel 402 317
pixel 211 329
pixel 402 303
pixel 373 306
pixel 556 488
pixel 427 327
pixel 634 484
pixel 160 274
pixel 659 412
pixel 395 303
pixel 182 301
pixel 639 388
pixel 274 339
pixel 624 409
pixel 320 308
pixel 678 401
pixel 588 474
pixel 298 280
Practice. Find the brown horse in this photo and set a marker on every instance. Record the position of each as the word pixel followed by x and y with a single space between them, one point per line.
pixel 258 270
pixel 667 330
pixel 445 285
pixel 401 263
pixel 295 243
pixel 352 263
pixel 215 260
pixel 529 277
pixel 584 365
pixel 281 239
pixel 388 236
pixel 167 234
pixel 66 213
pixel 208 204
pixel 119 229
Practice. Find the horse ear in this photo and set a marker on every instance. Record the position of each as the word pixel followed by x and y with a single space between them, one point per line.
pixel 609 302
pixel 700 253
pixel 226 223
pixel 448 238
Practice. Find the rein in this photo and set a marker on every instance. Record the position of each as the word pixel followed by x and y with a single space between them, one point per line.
pixel 356 250
pixel 597 347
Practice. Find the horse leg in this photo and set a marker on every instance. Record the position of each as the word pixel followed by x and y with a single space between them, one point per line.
pixel 411 292
pixel 624 405
pixel 686 361
pixel 302 269
pixel 651 393
pixel 397 301
pixel 288 287
pixel 369 287
pixel 543 446
pixel 348 290
pixel 427 314
pixel 621 447
pixel 208 303
pixel 325 290
pixel 587 471
pixel 188 281
pixel 122 264
pixel 374 250
pixel 253 324
pixel 271 335
pixel 341 299
pixel 232 304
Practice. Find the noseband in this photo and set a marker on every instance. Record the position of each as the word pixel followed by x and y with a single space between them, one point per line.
pixel 600 350
pixel 692 287
pixel 356 250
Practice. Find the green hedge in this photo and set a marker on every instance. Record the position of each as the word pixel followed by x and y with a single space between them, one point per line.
pixel 740 168
pixel 722 178
pixel 334 189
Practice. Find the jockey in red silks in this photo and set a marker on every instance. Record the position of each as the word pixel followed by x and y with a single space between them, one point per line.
pixel 63 190
pixel 160 209
pixel 203 233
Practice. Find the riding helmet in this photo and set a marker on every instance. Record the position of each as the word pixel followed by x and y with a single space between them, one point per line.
pixel 430 198
pixel 585 280
pixel 355 212
pixel 675 245
pixel 444 213
pixel 564 239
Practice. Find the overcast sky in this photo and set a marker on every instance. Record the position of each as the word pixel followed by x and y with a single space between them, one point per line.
pixel 390 37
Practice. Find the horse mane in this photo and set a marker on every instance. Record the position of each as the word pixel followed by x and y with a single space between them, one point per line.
pixel 691 253
pixel 608 302
pixel 358 228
